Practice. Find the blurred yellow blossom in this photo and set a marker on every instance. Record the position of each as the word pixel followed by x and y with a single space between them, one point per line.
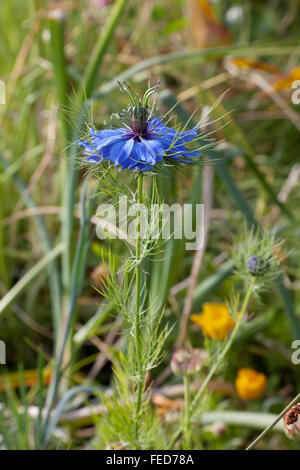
pixel 286 80
pixel 245 62
pixel 214 320
pixel 250 384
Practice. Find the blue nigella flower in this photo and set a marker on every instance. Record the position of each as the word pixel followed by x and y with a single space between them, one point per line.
pixel 141 140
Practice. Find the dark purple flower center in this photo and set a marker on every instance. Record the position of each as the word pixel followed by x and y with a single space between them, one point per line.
pixel 138 118
pixel 140 130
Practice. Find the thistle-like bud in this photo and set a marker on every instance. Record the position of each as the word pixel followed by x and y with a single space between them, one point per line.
pixel 188 361
pixel 257 265
pixel 218 428
pixel 256 258
pixel 291 422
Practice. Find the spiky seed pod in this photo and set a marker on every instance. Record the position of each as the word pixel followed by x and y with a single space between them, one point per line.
pixel 188 361
pixel 256 258
pixel 291 422
pixel 257 265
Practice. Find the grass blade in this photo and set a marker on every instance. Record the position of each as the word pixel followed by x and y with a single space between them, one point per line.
pixel 54 278
pixel 201 55
pixel 18 288
pixel 248 419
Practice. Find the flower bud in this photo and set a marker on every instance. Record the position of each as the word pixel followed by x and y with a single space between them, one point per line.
pixel 257 266
pixel 291 422
pixel 218 428
pixel 188 361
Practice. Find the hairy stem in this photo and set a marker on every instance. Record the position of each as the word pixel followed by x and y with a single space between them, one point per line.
pixel 219 360
pixel 187 412
pixel 227 347
pixel 138 308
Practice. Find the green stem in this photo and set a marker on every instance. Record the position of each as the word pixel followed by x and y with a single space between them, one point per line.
pixel 187 412
pixel 226 348
pixel 220 359
pixel 138 307
pixel 271 426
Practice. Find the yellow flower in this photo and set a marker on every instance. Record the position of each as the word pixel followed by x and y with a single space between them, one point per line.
pixel 286 80
pixel 250 384
pixel 214 320
pixel 245 62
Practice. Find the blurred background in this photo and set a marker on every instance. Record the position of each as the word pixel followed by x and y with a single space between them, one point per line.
pixel 53 54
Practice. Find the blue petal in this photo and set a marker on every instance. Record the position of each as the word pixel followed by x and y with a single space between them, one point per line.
pixel 105 146
pixel 139 158
pixel 188 136
pixel 166 140
pixel 94 159
pixel 156 124
pixel 183 156
pixel 88 148
pixel 122 154
pixel 140 152
pixel 154 150
pixel 105 133
pixel 101 139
